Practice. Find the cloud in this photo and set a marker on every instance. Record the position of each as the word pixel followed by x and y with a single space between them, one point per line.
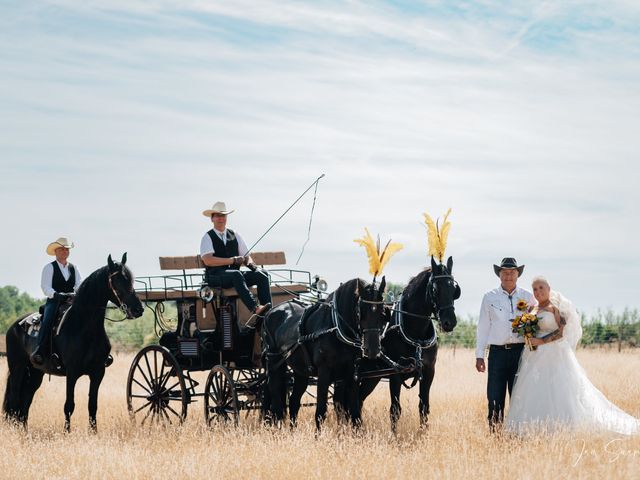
pixel 121 123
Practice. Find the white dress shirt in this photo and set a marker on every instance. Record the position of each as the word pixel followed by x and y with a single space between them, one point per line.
pixel 206 245
pixel 47 278
pixel 496 314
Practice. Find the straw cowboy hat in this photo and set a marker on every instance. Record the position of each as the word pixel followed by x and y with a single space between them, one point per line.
pixel 508 263
pixel 61 242
pixel 218 207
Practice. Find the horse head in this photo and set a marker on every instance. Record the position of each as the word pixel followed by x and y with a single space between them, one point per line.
pixel 121 291
pixel 371 317
pixel 442 291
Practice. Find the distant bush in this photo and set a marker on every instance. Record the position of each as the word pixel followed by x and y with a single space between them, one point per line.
pixel 606 328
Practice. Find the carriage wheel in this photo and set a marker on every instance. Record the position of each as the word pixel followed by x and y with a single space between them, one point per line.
pixel 156 390
pixel 249 389
pixel 220 398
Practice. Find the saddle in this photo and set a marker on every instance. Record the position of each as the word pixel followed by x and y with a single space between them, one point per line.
pixel 31 323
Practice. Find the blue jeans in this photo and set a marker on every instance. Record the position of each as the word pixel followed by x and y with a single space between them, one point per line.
pixel 241 281
pixel 50 310
pixel 503 366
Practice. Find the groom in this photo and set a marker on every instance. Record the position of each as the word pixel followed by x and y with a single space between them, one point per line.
pixel 494 330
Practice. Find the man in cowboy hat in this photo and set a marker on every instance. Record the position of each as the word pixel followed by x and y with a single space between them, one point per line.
pixel 499 308
pixel 223 252
pixel 60 280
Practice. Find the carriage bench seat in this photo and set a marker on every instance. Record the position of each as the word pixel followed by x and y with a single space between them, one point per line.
pixel 195 262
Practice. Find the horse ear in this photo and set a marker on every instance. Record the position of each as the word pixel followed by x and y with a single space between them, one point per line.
pixel 383 285
pixel 450 265
pixel 124 258
pixel 433 264
pixel 110 263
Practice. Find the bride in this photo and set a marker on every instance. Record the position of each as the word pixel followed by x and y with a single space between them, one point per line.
pixel 552 390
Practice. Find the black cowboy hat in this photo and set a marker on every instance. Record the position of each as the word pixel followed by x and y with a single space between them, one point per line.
pixel 508 262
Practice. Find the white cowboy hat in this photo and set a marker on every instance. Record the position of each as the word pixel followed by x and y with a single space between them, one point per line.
pixel 61 242
pixel 218 207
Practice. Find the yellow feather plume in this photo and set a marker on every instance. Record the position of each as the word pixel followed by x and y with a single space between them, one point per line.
pixel 437 235
pixel 377 259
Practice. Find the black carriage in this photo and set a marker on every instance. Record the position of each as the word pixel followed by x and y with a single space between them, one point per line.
pixel 212 331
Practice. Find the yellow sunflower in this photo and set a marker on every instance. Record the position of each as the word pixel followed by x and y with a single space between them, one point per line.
pixel 521 305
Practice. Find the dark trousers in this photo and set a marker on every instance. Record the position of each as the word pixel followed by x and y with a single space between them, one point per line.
pixel 503 366
pixel 50 310
pixel 241 281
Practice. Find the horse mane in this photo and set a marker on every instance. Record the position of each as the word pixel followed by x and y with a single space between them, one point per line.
pixel 95 285
pixel 345 297
pixel 417 283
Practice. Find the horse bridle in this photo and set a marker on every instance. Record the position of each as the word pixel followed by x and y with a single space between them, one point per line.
pixel 122 306
pixel 431 297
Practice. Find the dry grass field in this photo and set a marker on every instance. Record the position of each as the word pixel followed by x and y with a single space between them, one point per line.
pixel 457 444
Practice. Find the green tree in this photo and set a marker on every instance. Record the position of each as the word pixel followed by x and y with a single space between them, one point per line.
pixel 13 304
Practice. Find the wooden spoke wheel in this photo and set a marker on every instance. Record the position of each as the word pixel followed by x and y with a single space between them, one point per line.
pixel 220 397
pixel 156 392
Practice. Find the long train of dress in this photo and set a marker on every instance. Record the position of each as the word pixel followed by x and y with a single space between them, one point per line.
pixel 552 391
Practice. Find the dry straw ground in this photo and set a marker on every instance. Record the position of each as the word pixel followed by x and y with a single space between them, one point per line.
pixel 455 446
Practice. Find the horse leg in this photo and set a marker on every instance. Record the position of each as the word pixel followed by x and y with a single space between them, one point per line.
pixel 428 371
pixel 324 379
pixel 95 379
pixel 300 383
pixel 31 382
pixel 395 384
pixel 355 405
pixel 276 384
pixel 340 401
pixel 69 404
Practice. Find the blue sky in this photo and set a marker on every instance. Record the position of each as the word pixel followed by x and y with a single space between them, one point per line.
pixel 121 121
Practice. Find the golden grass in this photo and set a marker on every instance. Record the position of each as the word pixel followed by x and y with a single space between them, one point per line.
pixel 457 444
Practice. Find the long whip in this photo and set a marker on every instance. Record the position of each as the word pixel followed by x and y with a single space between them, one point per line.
pixel 315 183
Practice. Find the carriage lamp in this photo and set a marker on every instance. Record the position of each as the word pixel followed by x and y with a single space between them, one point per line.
pixel 205 293
pixel 319 284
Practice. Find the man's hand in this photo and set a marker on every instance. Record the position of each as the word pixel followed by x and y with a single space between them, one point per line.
pixel 237 261
pixel 480 365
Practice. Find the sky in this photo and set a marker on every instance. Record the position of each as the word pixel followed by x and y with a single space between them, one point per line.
pixel 121 121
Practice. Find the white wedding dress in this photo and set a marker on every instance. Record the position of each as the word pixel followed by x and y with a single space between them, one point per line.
pixel 552 391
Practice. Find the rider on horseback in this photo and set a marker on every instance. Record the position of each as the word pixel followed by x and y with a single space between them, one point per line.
pixel 60 280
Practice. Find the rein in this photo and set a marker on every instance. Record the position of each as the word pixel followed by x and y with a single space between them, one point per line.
pixel 123 306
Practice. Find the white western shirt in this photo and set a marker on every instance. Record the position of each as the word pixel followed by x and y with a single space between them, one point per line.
pixel 47 278
pixel 496 314
pixel 206 245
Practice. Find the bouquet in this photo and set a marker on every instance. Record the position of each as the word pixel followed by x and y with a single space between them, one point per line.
pixel 525 324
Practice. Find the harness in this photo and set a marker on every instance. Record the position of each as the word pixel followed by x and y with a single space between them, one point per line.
pixel 397 323
pixel 350 337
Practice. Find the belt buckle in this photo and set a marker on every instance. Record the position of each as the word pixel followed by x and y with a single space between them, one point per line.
pixel 508 346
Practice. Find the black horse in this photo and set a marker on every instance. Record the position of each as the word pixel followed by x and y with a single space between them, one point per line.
pixel 82 344
pixel 323 340
pixel 412 334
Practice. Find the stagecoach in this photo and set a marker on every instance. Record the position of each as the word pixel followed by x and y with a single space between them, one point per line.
pixel 211 330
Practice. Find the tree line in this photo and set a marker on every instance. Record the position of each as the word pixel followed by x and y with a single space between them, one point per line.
pixel 605 328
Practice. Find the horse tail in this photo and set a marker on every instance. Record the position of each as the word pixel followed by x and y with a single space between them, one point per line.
pixel 17 361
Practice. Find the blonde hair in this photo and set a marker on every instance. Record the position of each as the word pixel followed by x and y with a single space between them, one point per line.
pixel 540 279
